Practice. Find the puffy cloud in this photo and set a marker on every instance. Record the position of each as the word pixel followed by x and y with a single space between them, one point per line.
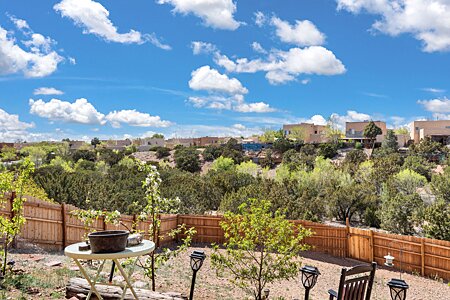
pixel 199 47
pixel 80 111
pixel 10 122
pixel 283 66
pixel 93 17
pixel 135 118
pixel 260 18
pixel 216 84
pixel 205 78
pixel 47 91
pixel 214 13
pixel 257 107
pixel 83 112
pixel 303 33
pixel 441 105
pixel 427 20
pixel 20 23
pixel 36 61
pixel 258 48
pixel 351 116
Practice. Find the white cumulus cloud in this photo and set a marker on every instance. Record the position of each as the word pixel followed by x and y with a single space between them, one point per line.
pixel 47 91
pixel 257 107
pixel 214 13
pixel 93 17
pixel 34 58
pixel 9 122
pixel 427 20
pixel 283 66
pixel 205 78
pixel 440 105
pixel 303 33
pixel 80 111
pixel 132 117
pixel 199 47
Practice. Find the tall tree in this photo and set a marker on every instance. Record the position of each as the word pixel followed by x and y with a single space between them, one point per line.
pixel 261 247
pixel 390 141
pixel 371 131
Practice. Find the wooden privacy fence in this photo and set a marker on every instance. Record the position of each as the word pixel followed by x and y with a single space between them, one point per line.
pixel 52 226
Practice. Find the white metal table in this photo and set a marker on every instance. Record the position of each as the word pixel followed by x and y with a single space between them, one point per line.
pixel 72 251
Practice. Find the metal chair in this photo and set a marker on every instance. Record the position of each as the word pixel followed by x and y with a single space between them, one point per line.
pixel 355 288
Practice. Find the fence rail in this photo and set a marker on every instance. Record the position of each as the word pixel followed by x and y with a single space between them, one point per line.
pixel 53 227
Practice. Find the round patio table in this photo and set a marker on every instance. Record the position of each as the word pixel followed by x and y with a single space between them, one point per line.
pixel 72 251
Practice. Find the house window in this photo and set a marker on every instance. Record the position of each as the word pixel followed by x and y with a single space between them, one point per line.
pixel 315 132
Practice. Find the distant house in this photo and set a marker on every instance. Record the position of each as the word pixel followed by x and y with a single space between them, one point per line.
pixel 311 133
pixel 197 142
pixel 146 144
pixel 354 131
pixel 76 145
pixel 2 145
pixel 117 144
pixel 438 131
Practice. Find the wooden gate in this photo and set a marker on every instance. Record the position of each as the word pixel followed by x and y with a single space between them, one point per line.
pixel 360 244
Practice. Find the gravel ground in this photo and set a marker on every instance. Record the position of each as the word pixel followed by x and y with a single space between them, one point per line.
pixel 176 276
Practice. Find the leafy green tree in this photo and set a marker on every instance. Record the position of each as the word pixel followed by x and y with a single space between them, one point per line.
pixel 429 149
pixel 111 157
pixel 408 181
pixel 157 136
pixel 85 155
pixel 437 220
pixel 223 164
pixel 399 212
pixel 187 159
pixel 8 153
pixel 268 161
pixel 390 141
pixel 162 152
pixel 419 164
pixel 282 145
pixel 36 153
pixel 402 130
pixel 212 152
pixel 354 158
pixel 198 195
pixel 332 133
pixel 440 185
pixel 371 131
pixel 269 136
pixel 11 227
pixel 328 150
pixel 261 247
pixel 95 141
pixel 248 167
pixel 297 134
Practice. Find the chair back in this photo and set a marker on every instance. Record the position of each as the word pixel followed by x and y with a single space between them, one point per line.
pixel 357 288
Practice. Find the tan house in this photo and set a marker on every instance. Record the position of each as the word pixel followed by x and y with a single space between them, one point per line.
pixel 311 133
pixel 355 131
pixel 438 131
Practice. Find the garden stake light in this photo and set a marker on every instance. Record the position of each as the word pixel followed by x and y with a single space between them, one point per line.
pixel 266 294
pixel 397 287
pixel 197 258
pixel 309 278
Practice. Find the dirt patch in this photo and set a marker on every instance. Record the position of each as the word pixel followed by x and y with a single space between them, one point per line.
pixel 41 281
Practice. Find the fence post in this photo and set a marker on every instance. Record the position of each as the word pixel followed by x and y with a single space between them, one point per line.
pixel 177 239
pixel 422 256
pixel 347 228
pixel 372 247
pixel 64 227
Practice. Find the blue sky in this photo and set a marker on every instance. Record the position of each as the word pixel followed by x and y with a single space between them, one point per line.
pixel 114 69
